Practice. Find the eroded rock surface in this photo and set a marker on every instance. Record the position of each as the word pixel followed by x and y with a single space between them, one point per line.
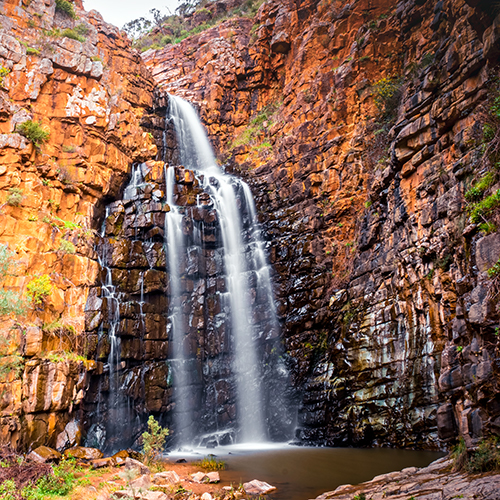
pixel 89 95
pixel 387 310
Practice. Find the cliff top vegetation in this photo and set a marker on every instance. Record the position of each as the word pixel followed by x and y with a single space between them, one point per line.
pixel 190 18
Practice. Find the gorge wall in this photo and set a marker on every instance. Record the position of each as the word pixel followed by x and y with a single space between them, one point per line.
pixel 388 314
pixel 360 127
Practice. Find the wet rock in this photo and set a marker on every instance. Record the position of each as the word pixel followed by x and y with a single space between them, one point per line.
pixel 83 453
pixel 44 454
pixel 257 487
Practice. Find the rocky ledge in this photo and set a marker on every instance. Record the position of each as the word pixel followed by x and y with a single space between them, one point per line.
pixel 435 482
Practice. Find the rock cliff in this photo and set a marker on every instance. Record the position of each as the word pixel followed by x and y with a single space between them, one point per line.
pixel 361 127
pixel 76 79
pixel 369 135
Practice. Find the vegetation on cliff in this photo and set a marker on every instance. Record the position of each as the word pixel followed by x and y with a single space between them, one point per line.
pixel 190 20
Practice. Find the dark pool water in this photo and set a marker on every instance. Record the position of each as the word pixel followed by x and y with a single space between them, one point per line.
pixel 302 473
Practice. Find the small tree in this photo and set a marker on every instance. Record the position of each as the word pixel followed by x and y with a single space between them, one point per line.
pixel 154 440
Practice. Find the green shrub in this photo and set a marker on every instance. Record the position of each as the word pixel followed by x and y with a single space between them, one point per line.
pixel 484 459
pixel 387 94
pixel 10 302
pixel 166 40
pixel 211 463
pixel 15 197
pixel 154 440
pixel 3 73
pixel 494 271
pixel 8 490
pixel 478 189
pixel 32 51
pixel 39 288
pixel 60 483
pixel 71 33
pixel 478 211
pixel 65 7
pixel 34 132
pixel 487 227
pixel 67 247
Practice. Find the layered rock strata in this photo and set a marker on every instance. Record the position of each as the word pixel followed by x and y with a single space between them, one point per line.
pixel 80 82
pixel 360 128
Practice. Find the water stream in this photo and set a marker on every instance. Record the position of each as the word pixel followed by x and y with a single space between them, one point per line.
pixel 247 276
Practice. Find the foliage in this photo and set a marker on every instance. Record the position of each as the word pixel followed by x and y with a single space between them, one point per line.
pixel 3 73
pixel 65 7
pixel 66 224
pixel 154 440
pixel 164 30
pixel 77 33
pixel 8 490
pixel 60 483
pixel 34 132
pixel 483 459
pixel 478 189
pixel 211 463
pixel 478 211
pixel 361 496
pixel 387 94
pixel 10 302
pixel 15 197
pixel 39 289
pixel 494 271
pixel 67 247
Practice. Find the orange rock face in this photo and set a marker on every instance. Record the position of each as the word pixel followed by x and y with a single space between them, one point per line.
pixel 89 95
pixel 359 127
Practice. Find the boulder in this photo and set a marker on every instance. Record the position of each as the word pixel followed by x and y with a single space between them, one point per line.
pixel 120 457
pixel 167 477
pixel 135 465
pixel 98 463
pixel 43 455
pixel 143 482
pixel 257 487
pixel 206 496
pixel 83 453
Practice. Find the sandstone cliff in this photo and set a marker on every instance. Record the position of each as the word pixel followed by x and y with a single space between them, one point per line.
pixel 360 127
pixel 81 82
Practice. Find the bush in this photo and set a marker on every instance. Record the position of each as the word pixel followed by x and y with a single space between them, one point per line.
pixel 387 93
pixel 34 132
pixel 10 302
pixel 39 288
pixel 154 440
pixel 484 459
pixel 211 463
pixel 67 247
pixel 478 189
pixel 3 73
pixel 70 33
pixel 478 211
pixel 65 7
pixel 8 490
pixel 15 197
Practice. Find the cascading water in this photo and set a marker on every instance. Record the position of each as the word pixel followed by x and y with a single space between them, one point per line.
pixel 247 276
pixel 183 324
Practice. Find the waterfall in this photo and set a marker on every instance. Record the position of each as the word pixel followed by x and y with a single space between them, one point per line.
pixel 247 278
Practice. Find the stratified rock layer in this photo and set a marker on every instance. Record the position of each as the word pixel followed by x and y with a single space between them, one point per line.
pixel 89 94
pixel 388 314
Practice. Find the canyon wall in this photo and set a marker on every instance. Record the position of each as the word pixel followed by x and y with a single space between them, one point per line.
pixel 360 128
pixel 80 81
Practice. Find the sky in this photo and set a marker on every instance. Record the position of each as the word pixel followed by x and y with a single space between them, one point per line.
pixel 119 12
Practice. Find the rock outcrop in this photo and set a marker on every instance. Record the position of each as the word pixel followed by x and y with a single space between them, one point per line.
pixel 360 128
pixel 80 82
